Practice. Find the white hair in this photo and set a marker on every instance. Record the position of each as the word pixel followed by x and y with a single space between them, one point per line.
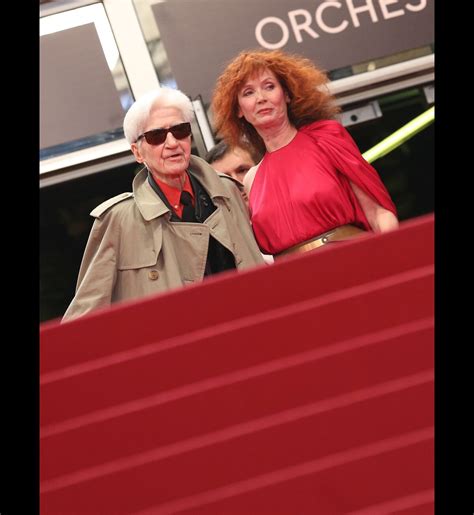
pixel 137 116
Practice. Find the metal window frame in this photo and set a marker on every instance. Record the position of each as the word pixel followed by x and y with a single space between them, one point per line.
pixel 384 80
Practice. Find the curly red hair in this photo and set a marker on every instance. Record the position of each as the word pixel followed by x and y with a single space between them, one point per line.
pixel 299 77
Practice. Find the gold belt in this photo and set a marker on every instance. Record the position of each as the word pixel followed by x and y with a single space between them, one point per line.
pixel 343 232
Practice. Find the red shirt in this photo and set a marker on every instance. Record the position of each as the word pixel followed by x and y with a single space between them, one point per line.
pixel 173 194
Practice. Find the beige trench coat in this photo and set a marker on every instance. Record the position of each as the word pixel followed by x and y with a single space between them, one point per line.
pixel 134 250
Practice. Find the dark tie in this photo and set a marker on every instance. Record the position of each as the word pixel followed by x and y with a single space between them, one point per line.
pixel 188 209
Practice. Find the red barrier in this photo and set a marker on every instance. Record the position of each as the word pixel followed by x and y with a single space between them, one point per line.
pixel 298 388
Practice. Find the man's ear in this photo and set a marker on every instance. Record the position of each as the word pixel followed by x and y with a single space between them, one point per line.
pixel 136 152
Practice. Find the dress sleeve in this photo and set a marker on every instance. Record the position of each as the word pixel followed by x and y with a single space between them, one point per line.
pixel 337 144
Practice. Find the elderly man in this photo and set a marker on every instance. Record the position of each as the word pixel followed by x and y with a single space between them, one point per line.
pixel 181 223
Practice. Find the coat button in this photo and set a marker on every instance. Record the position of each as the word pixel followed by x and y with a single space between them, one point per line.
pixel 153 275
pixel 324 239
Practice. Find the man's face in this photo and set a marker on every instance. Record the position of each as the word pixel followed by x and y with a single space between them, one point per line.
pixel 170 159
pixel 235 163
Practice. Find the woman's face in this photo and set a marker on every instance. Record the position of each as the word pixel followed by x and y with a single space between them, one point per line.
pixel 262 100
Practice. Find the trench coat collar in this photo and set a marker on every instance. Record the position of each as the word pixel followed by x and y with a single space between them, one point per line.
pixel 151 206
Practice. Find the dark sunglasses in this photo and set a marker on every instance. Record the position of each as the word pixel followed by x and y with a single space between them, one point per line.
pixel 158 136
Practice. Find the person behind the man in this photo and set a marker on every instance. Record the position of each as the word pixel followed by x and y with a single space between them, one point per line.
pixel 181 223
pixel 233 161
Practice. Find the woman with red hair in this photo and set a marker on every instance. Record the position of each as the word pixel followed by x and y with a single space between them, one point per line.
pixel 312 185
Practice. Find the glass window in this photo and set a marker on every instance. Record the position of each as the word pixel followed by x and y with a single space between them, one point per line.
pixel 154 42
pixel 84 92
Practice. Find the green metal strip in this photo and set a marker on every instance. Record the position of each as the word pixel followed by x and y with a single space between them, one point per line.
pixel 400 136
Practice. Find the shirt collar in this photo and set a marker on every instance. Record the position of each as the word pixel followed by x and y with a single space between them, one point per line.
pixel 151 206
pixel 173 194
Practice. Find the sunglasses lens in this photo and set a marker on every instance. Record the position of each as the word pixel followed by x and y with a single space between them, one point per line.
pixel 158 136
pixel 181 131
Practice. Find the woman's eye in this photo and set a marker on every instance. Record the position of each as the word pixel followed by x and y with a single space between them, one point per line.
pixel 247 92
pixel 270 86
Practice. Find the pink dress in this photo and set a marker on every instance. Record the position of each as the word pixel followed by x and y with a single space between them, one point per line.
pixel 302 189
